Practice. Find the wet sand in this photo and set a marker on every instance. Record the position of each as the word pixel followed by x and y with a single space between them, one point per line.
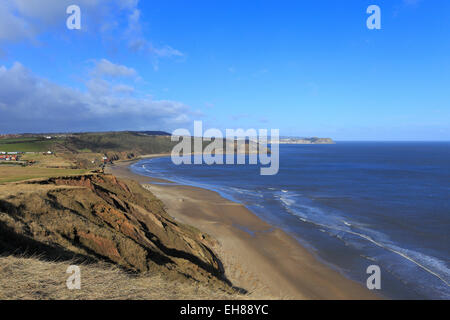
pixel 255 255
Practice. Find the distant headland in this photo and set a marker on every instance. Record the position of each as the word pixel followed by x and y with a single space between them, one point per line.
pixel 313 140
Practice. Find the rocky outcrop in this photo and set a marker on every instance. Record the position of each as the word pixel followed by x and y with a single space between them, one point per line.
pixel 98 217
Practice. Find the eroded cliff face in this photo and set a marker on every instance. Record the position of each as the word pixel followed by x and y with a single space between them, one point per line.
pixel 98 217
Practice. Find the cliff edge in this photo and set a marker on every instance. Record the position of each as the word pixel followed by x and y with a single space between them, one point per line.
pixel 98 217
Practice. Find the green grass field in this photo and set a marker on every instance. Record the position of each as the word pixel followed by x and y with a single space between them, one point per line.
pixel 15 140
pixel 25 145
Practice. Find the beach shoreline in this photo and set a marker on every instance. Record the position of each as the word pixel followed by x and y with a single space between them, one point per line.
pixel 256 256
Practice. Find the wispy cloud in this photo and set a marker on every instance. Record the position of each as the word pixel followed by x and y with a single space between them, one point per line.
pixel 115 20
pixel 138 43
pixel 166 52
pixel 107 68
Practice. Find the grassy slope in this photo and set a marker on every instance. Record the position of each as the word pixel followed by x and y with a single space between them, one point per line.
pixel 120 142
pixel 92 142
pixel 37 279
pixel 74 153
pixel 124 144
pixel 133 143
pixel 26 144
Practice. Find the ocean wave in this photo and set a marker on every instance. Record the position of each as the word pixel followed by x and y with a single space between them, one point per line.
pixel 333 221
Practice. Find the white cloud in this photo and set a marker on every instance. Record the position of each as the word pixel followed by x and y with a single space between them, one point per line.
pixel 129 4
pixel 166 52
pixel 138 44
pixel 34 104
pixel 107 68
pixel 123 88
pixel 118 21
pixel 134 23
pixel 12 27
pixel 141 45
pixel 98 87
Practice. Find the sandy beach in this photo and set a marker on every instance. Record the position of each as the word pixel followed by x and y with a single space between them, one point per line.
pixel 255 255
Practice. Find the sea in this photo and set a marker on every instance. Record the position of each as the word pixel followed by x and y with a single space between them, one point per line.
pixel 351 204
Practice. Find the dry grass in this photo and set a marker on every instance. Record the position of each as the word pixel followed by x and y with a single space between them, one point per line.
pixel 34 279
pixel 45 161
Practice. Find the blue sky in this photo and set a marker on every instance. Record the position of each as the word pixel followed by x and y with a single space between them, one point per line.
pixel 308 68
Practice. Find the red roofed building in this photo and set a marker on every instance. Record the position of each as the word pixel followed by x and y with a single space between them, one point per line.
pixel 9 157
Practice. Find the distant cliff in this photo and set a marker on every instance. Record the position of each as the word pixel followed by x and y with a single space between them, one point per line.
pixel 314 140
